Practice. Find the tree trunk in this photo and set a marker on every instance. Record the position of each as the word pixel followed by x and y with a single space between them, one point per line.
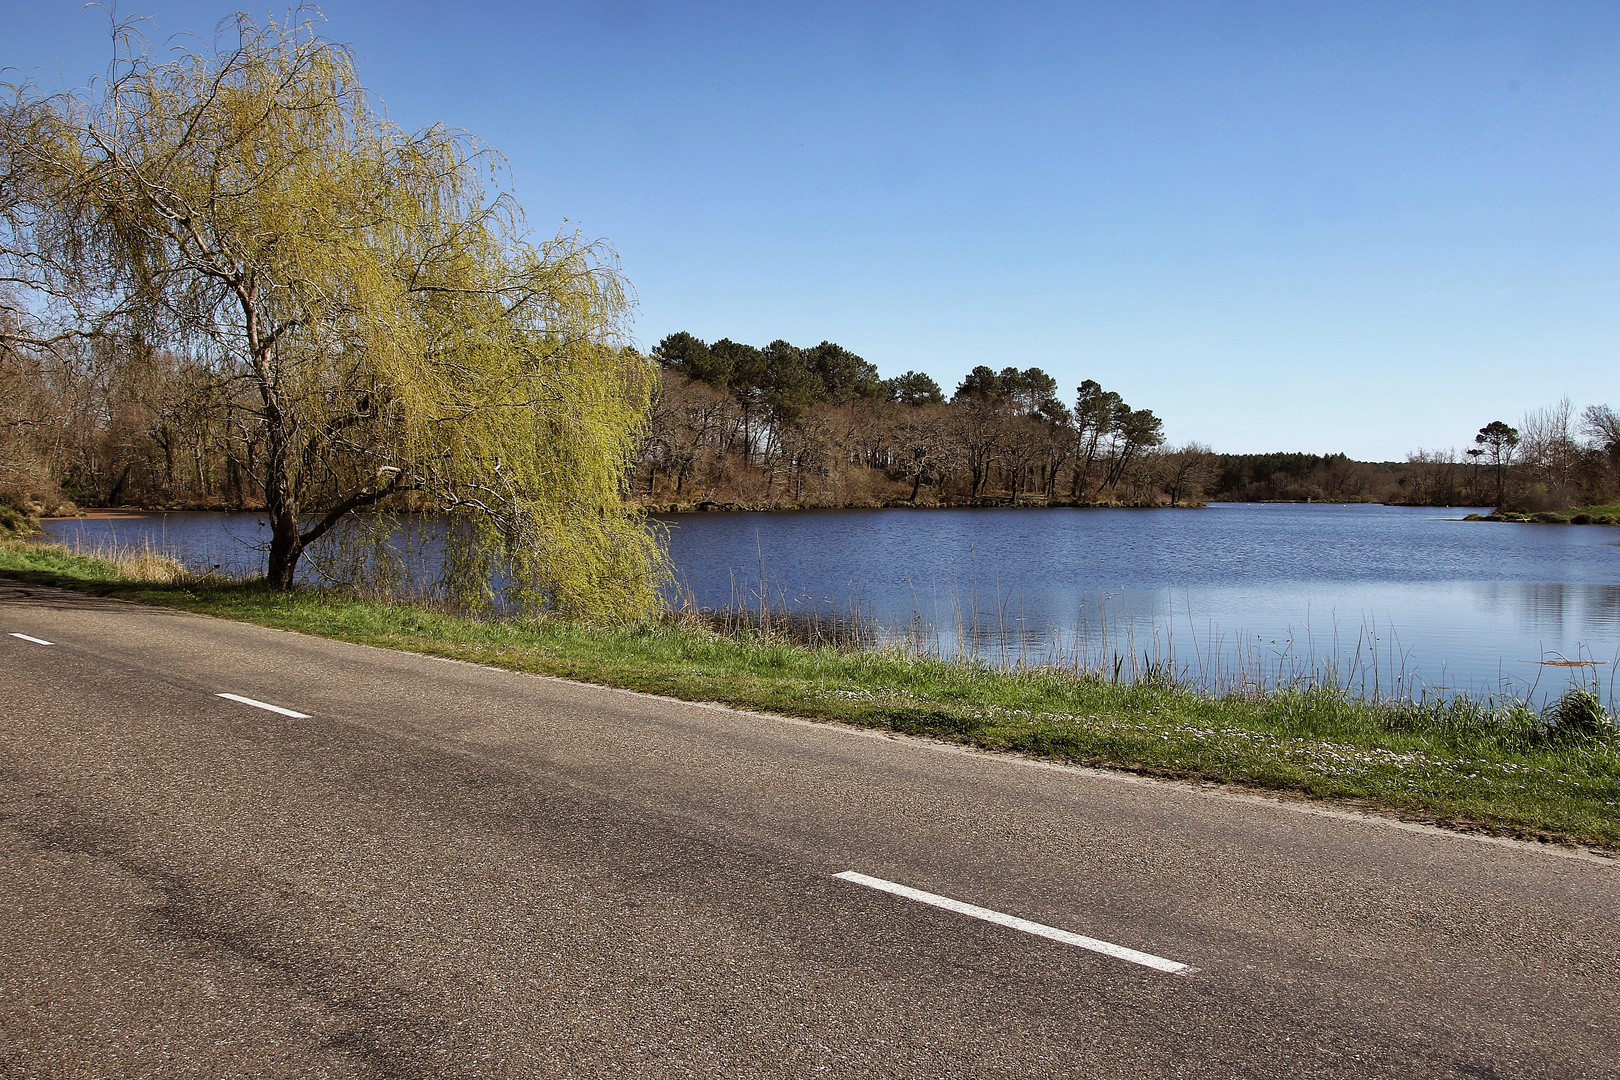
pixel 280 506
pixel 167 443
pixel 117 489
pixel 285 548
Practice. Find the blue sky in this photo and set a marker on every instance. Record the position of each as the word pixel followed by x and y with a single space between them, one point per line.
pixel 1364 227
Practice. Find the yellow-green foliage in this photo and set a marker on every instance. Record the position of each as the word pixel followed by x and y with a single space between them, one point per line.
pixel 407 343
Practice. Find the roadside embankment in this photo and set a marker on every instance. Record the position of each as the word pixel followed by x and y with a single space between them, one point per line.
pixel 1497 766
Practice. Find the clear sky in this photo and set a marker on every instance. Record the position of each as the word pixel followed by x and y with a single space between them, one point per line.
pixel 1367 227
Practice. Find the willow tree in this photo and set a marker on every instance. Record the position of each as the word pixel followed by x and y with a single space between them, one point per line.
pixel 400 338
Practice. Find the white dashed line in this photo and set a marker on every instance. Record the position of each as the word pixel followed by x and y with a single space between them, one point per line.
pixel 35 640
pixel 1118 952
pixel 265 705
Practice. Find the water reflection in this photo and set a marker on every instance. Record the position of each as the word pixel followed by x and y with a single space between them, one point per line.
pixel 1554 607
pixel 1403 597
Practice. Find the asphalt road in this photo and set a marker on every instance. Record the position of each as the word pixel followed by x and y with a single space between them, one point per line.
pixel 445 871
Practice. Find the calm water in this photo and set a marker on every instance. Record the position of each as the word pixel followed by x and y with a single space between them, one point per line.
pixel 1395 594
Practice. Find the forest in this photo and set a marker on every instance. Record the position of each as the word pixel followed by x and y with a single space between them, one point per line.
pixel 735 425
pixel 783 425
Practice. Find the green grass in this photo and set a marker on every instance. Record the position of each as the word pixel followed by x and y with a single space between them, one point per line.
pixel 1495 767
pixel 1580 515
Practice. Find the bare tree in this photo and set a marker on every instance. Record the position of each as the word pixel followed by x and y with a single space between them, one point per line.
pixel 1430 478
pixel 1601 426
pixel 922 446
pixel 1185 471
pixel 1547 448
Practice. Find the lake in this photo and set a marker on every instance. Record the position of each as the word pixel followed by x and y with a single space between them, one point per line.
pixel 1398 599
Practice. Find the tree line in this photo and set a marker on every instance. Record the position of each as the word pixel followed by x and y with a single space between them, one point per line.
pixel 736 424
pixel 110 421
pixel 106 421
pixel 789 425
pixel 1554 459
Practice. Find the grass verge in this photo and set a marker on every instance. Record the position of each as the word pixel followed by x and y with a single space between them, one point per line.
pixel 1492 766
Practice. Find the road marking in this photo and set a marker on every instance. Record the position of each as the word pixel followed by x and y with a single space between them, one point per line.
pixel 35 640
pixel 265 705
pixel 1118 952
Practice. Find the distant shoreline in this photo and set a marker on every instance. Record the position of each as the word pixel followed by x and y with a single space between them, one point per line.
pixel 1580 515
pixel 716 507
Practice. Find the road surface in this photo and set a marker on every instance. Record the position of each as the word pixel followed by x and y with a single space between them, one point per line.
pixel 433 869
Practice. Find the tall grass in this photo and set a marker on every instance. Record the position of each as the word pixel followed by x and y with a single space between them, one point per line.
pixel 1107 644
pixel 141 562
pixel 106 560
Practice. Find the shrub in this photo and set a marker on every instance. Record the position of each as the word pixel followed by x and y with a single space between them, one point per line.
pixel 16 520
pixel 1466 723
pixel 1578 718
